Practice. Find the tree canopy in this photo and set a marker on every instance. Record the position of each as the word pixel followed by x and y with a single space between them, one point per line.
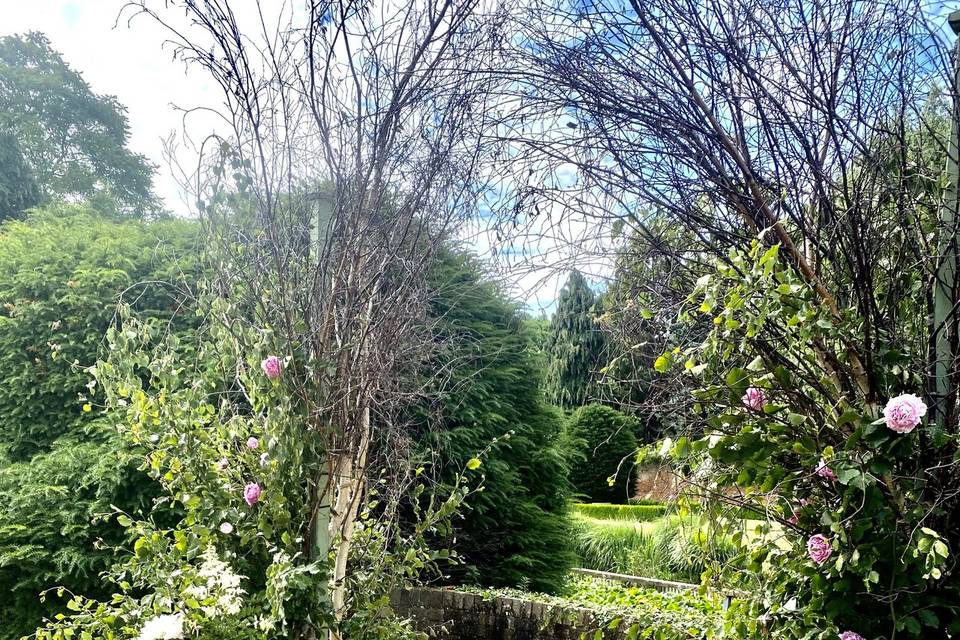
pixel 18 187
pixel 73 140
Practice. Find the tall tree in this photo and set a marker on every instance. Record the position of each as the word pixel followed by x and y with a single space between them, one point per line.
pixel 515 531
pixel 378 102
pixel 73 140
pixel 575 344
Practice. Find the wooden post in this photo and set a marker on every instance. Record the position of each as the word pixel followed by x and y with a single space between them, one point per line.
pixel 944 315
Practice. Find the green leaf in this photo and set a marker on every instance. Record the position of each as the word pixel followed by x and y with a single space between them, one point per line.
pixel 661 364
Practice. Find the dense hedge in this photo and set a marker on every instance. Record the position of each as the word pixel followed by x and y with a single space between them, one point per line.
pixel 62 271
pixel 635 512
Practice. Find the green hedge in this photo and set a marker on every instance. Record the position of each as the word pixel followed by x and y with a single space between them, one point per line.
pixel 635 512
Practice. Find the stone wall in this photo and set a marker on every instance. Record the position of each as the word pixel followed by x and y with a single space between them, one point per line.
pixel 655 482
pixel 458 615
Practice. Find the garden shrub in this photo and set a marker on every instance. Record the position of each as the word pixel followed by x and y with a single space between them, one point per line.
pixel 635 512
pixel 604 442
pixel 234 469
pixel 62 272
pixel 861 536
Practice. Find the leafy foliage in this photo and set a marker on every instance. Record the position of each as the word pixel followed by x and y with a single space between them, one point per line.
pixel 49 532
pixel 604 441
pixel 18 187
pixel 516 530
pixel 252 573
pixel 73 140
pixel 886 523
pixel 61 273
pixel 575 345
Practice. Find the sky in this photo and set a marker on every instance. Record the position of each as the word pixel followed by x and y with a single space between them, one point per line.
pixel 126 58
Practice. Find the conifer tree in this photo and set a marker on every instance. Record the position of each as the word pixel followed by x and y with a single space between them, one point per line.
pixel 575 345
pixel 515 532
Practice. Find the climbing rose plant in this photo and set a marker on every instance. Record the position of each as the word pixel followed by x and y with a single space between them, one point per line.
pixel 856 540
pixel 223 548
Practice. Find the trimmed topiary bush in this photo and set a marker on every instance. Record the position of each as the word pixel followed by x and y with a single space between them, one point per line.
pixel 603 442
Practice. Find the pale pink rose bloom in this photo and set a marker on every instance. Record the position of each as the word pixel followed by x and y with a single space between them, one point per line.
pixel 754 399
pixel 226 528
pixel 794 519
pixel 818 547
pixel 272 366
pixel 252 443
pixel 251 493
pixel 826 472
pixel 903 413
pixel 222 464
pixel 851 635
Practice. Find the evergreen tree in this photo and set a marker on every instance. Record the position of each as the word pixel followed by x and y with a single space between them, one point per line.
pixel 603 442
pixel 514 532
pixel 575 345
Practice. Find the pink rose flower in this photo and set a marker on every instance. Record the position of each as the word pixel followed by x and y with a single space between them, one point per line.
pixel 818 547
pixel 754 399
pixel 251 493
pixel 826 472
pixel 252 443
pixel 222 464
pixel 794 519
pixel 272 366
pixel 851 635
pixel 903 413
